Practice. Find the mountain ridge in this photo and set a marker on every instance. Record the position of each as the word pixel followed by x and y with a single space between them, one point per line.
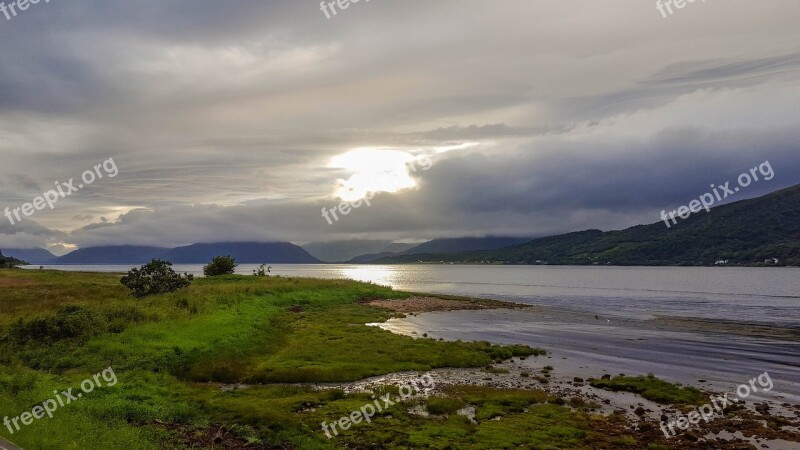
pixel 31 255
pixel 446 245
pixel 199 253
pixel 747 232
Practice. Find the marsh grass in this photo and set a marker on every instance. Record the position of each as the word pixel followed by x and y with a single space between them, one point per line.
pixel 654 389
pixel 171 351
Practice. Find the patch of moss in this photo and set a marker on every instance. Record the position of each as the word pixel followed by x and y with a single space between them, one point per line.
pixel 444 405
pixel 653 389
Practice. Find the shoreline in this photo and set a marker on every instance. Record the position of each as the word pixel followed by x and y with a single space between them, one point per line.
pixel 276 340
pixel 571 389
pixel 422 303
pixel 712 353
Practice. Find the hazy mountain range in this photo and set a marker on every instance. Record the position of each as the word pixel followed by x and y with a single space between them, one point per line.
pixel 244 252
pixel 341 251
pixel 31 255
pixel 448 245
pixel 258 253
pixel 748 232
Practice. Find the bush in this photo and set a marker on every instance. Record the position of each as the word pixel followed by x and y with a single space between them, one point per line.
pixel 262 271
pixel 155 277
pixel 72 322
pixel 220 265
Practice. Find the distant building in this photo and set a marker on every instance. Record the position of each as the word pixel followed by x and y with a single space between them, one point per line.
pixel 722 262
pixel 774 261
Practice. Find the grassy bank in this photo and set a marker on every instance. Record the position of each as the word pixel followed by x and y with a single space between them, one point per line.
pixel 173 353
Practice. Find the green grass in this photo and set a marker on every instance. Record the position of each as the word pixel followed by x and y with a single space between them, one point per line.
pixel 170 351
pixel 654 389
pixel 444 405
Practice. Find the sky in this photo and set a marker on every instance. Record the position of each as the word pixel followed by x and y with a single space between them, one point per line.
pixel 242 119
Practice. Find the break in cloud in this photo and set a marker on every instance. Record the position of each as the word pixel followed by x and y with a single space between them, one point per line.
pixel 224 117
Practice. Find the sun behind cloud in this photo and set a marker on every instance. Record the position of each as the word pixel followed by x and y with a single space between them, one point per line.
pixel 373 170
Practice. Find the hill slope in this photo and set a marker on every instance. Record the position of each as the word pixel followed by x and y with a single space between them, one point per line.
pixel 468 244
pixel 745 232
pixel 7 261
pixel 244 252
pixel 338 251
pixel 113 254
pixel 446 245
pixel 31 255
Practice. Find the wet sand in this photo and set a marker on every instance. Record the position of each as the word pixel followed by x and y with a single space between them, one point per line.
pixel 586 345
pixel 419 304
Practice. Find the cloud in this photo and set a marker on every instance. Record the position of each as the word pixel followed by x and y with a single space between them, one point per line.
pixel 223 119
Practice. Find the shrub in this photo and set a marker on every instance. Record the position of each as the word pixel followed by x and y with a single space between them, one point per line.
pixel 262 271
pixel 72 322
pixel 155 277
pixel 220 265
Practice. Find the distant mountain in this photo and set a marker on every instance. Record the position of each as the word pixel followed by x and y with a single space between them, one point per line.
pixel 244 252
pixel 337 251
pixel 31 255
pixel 341 251
pixel 747 232
pixel 453 245
pixel 114 254
pixel 369 257
pixel 398 247
pixel 447 245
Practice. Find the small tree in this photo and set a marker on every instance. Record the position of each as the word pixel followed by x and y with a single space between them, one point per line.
pixel 221 265
pixel 155 277
pixel 262 271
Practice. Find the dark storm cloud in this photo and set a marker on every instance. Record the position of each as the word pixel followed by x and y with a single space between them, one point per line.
pixel 223 116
